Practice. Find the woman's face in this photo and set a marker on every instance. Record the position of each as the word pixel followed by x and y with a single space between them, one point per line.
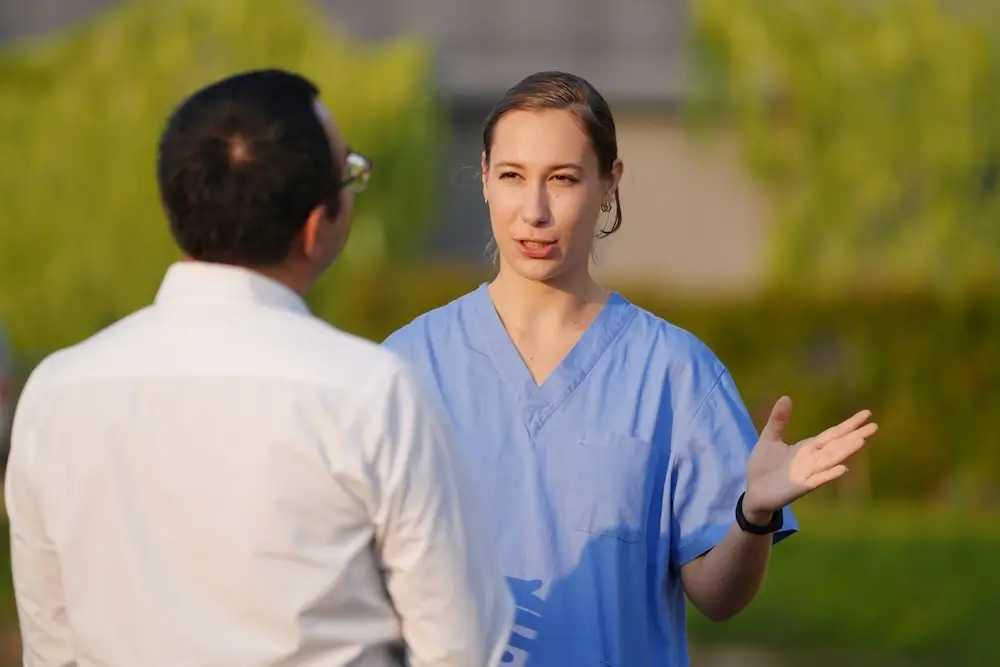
pixel 545 192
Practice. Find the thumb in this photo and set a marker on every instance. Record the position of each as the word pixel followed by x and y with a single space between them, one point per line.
pixel 774 429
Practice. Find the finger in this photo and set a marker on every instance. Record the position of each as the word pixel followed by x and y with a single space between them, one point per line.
pixel 821 478
pixel 844 427
pixel 776 423
pixel 866 431
pixel 840 450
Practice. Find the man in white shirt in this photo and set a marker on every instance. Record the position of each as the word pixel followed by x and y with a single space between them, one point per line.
pixel 221 479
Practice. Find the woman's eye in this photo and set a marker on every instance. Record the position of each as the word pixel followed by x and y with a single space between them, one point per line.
pixel 508 174
pixel 565 178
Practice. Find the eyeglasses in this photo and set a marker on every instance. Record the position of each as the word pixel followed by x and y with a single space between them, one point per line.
pixel 359 171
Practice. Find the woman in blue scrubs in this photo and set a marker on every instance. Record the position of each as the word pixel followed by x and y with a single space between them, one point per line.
pixel 618 467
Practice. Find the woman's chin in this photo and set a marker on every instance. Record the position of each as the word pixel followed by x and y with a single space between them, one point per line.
pixel 538 270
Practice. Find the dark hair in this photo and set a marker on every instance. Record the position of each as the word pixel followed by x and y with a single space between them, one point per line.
pixel 241 164
pixel 559 90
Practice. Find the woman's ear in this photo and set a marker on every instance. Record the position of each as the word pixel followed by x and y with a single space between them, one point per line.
pixel 617 169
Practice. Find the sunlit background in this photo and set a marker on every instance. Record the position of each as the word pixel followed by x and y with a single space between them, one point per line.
pixel 813 188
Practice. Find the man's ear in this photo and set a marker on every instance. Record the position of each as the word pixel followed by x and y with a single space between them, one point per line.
pixel 312 231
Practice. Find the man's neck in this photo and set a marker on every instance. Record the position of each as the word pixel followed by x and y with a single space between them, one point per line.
pixel 295 280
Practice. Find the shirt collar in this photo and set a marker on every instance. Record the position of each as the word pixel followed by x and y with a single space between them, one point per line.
pixel 202 282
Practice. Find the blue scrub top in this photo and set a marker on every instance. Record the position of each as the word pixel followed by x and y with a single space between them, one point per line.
pixel 598 485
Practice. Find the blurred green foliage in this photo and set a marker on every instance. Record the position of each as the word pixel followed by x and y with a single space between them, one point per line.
pixel 928 366
pixel 876 126
pixel 82 235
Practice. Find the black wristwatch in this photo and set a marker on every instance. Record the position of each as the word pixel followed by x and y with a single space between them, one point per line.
pixel 777 520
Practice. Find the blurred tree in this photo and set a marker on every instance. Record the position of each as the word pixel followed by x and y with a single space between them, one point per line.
pixel 876 126
pixel 82 236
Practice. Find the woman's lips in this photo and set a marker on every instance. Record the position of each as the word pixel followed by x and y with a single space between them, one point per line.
pixel 537 249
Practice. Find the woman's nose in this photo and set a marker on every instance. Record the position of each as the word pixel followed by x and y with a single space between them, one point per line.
pixel 535 207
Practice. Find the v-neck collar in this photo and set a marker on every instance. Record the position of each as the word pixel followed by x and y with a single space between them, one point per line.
pixel 538 402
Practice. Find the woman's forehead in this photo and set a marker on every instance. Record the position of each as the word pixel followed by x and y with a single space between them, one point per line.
pixel 547 136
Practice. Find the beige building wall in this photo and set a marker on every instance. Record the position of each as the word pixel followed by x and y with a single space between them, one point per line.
pixel 693 219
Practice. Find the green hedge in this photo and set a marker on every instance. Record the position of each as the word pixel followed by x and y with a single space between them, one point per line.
pixel 928 367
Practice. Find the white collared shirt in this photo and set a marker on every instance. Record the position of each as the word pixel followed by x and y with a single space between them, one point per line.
pixel 222 480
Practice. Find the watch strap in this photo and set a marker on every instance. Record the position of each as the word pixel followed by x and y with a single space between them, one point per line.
pixel 777 521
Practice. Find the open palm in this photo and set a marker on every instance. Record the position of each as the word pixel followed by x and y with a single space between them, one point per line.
pixel 779 474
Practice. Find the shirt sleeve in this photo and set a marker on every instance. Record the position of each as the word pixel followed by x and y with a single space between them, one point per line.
pixel 453 602
pixel 38 590
pixel 707 474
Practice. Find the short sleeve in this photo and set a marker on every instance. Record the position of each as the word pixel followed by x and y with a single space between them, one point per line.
pixel 707 474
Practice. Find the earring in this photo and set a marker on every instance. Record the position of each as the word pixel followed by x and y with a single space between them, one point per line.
pixel 606 207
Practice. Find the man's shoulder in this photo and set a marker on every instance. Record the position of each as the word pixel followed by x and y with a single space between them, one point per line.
pixel 347 357
pixel 74 358
pixel 275 346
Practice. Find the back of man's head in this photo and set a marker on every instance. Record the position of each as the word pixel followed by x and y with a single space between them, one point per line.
pixel 242 163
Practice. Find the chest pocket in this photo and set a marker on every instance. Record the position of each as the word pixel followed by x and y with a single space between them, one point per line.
pixel 612 474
